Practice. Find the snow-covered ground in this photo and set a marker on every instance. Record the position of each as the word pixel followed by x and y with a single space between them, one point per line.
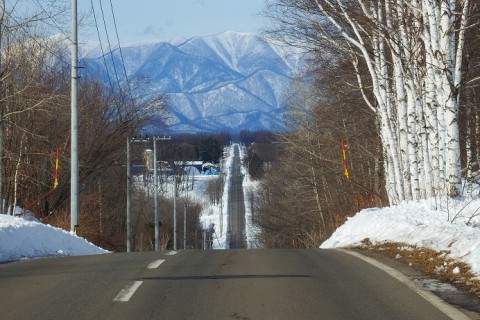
pixel 211 214
pixel 452 226
pixel 249 186
pixel 218 215
pixel 24 239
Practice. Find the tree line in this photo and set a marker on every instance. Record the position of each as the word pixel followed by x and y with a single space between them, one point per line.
pixel 397 81
pixel 35 122
pixel 409 60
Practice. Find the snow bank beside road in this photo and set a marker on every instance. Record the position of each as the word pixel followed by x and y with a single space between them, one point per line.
pixel 212 213
pixel 418 223
pixel 20 239
pixel 249 189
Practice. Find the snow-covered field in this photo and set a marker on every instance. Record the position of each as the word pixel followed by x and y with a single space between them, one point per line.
pixel 452 226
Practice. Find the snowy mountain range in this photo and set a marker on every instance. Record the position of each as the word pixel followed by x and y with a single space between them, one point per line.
pixel 225 82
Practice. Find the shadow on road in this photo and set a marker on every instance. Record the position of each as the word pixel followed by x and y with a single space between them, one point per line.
pixel 228 277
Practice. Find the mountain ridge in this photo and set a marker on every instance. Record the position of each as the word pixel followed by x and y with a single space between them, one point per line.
pixel 212 82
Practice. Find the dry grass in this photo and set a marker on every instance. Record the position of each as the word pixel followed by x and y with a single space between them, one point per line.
pixel 435 264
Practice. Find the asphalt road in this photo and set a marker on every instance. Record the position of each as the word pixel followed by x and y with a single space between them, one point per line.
pixel 205 284
pixel 236 205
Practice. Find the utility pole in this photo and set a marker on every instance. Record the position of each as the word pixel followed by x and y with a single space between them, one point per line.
pixel 175 212
pixel 185 227
pixel 74 180
pixel 155 193
pixel 221 216
pixel 129 192
pixel 129 195
pixel 204 239
pixel 155 196
pixel 2 204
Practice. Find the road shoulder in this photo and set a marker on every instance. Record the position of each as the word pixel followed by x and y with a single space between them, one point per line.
pixel 446 300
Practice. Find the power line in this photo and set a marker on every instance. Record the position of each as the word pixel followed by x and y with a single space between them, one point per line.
pixel 57 26
pixel 54 23
pixel 121 51
pixel 103 52
pixel 109 44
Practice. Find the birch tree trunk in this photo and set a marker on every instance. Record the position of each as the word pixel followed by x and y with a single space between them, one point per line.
pixel 437 143
pixel 17 173
pixel 470 158
pixel 2 16
pixel 413 51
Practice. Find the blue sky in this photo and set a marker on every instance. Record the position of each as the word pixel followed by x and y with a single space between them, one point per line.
pixel 162 20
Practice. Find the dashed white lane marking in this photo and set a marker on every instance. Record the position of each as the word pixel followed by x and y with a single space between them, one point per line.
pixel 155 264
pixel 126 293
pixel 441 305
pixel 171 253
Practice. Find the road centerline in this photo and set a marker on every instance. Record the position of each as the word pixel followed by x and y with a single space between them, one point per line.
pixel 126 293
pixel 155 264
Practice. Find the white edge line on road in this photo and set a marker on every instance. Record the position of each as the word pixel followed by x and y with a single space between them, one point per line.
pixel 441 305
pixel 155 264
pixel 126 293
pixel 171 253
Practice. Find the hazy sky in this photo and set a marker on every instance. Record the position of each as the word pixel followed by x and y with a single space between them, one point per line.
pixel 161 20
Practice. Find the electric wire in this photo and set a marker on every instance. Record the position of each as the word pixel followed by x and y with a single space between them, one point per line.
pixel 121 51
pixel 101 48
pixel 57 26
pixel 61 58
pixel 109 45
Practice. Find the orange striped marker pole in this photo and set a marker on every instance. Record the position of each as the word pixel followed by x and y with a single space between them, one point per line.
pixel 55 183
pixel 345 166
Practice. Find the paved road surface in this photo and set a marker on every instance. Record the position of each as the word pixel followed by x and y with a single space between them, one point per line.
pixel 236 206
pixel 204 284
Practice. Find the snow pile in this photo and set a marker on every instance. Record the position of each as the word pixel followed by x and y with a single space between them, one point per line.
pixel 20 239
pixel 213 215
pixel 453 226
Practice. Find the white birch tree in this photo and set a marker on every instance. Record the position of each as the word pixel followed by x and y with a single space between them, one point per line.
pixel 413 51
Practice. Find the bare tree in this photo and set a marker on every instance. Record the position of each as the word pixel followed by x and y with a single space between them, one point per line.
pixel 304 195
pixel 34 91
pixel 413 53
